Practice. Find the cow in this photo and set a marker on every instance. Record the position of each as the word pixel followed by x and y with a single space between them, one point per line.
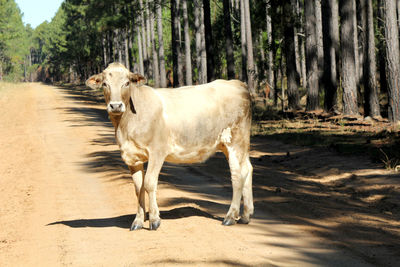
pixel 182 126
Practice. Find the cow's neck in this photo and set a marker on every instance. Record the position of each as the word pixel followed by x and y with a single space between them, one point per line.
pixel 144 106
pixel 115 120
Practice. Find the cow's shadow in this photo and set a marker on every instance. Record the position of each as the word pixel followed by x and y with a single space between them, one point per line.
pixel 125 221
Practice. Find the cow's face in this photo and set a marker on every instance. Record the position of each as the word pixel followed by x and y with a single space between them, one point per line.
pixel 115 81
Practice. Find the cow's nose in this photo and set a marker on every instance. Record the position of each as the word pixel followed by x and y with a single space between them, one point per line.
pixel 116 107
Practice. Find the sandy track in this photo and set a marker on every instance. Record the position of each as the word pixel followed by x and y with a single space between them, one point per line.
pixel 66 199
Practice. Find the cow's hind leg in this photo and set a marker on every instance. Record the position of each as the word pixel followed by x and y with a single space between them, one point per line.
pixel 248 206
pixel 239 172
pixel 137 176
pixel 150 184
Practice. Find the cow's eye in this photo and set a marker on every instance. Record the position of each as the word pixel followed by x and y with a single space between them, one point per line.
pixel 104 85
pixel 126 84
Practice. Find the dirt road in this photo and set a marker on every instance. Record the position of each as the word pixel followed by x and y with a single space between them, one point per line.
pixel 66 198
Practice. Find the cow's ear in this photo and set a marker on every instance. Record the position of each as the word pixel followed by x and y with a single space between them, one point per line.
pixel 95 81
pixel 137 78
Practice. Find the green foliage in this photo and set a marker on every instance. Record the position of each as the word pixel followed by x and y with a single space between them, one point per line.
pixel 13 41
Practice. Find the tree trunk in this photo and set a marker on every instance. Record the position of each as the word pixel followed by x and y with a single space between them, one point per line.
pixel 392 60
pixel 230 62
pixel 188 58
pixel 163 76
pixel 176 49
pixel 209 41
pixel 104 41
pixel 295 5
pixel 140 50
pixel 143 37
pixel 398 12
pixel 331 48
pixel 320 45
pixel 270 45
pixel 311 56
pixel 156 71
pixel 355 38
pixel 126 42
pixel 382 51
pixel 149 41
pixel 203 46
pixel 349 75
pixel 371 105
pixel 243 41
pixel 197 20
pixel 110 46
pixel 291 72
pixel 250 59
pixel 303 71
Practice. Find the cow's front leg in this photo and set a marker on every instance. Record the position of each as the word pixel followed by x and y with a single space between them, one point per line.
pixel 150 184
pixel 137 176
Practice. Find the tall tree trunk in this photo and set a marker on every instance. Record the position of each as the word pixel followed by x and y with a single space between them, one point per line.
pixel 149 40
pixel 361 27
pixel 110 46
pixel 209 41
pixel 126 43
pixel 382 50
pixel 163 76
pixel 330 15
pixel 243 42
pixel 355 38
pixel 132 60
pixel 143 37
pixel 177 70
pixel 270 46
pixel 228 41
pixel 302 48
pixel 392 60
pixel 371 104
pixel 295 4
pixel 140 50
pixel 104 42
pixel 291 72
pixel 250 59
pixel 117 46
pixel 197 24
pixel 371 101
pixel 320 45
pixel 203 47
pixel 311 56
pixel 349 75
pixel 188 58
pixel 156 71
pixel 398 12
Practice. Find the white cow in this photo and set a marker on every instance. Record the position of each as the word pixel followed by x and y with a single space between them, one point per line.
pixel 183 125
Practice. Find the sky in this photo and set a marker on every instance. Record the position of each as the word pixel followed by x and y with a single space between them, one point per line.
pixel 37 11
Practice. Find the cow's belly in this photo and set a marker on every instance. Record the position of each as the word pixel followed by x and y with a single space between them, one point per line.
pixel 190 155
pixel 132 155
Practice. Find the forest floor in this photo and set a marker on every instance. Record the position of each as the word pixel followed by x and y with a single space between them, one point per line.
pixel 66 198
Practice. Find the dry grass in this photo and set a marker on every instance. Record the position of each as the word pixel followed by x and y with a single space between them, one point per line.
pixel 349 135
pixel 8 86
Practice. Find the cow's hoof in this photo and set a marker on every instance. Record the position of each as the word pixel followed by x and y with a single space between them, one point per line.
pixel 228 221
pixel 154 225
pixel 135 227
pixel 244 220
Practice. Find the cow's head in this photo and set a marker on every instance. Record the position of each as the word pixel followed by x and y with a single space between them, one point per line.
pixel 116 81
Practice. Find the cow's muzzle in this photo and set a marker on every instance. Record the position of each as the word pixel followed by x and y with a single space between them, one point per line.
pixel 116 107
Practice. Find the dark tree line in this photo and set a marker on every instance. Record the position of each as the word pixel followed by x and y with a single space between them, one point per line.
pixel 338 55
